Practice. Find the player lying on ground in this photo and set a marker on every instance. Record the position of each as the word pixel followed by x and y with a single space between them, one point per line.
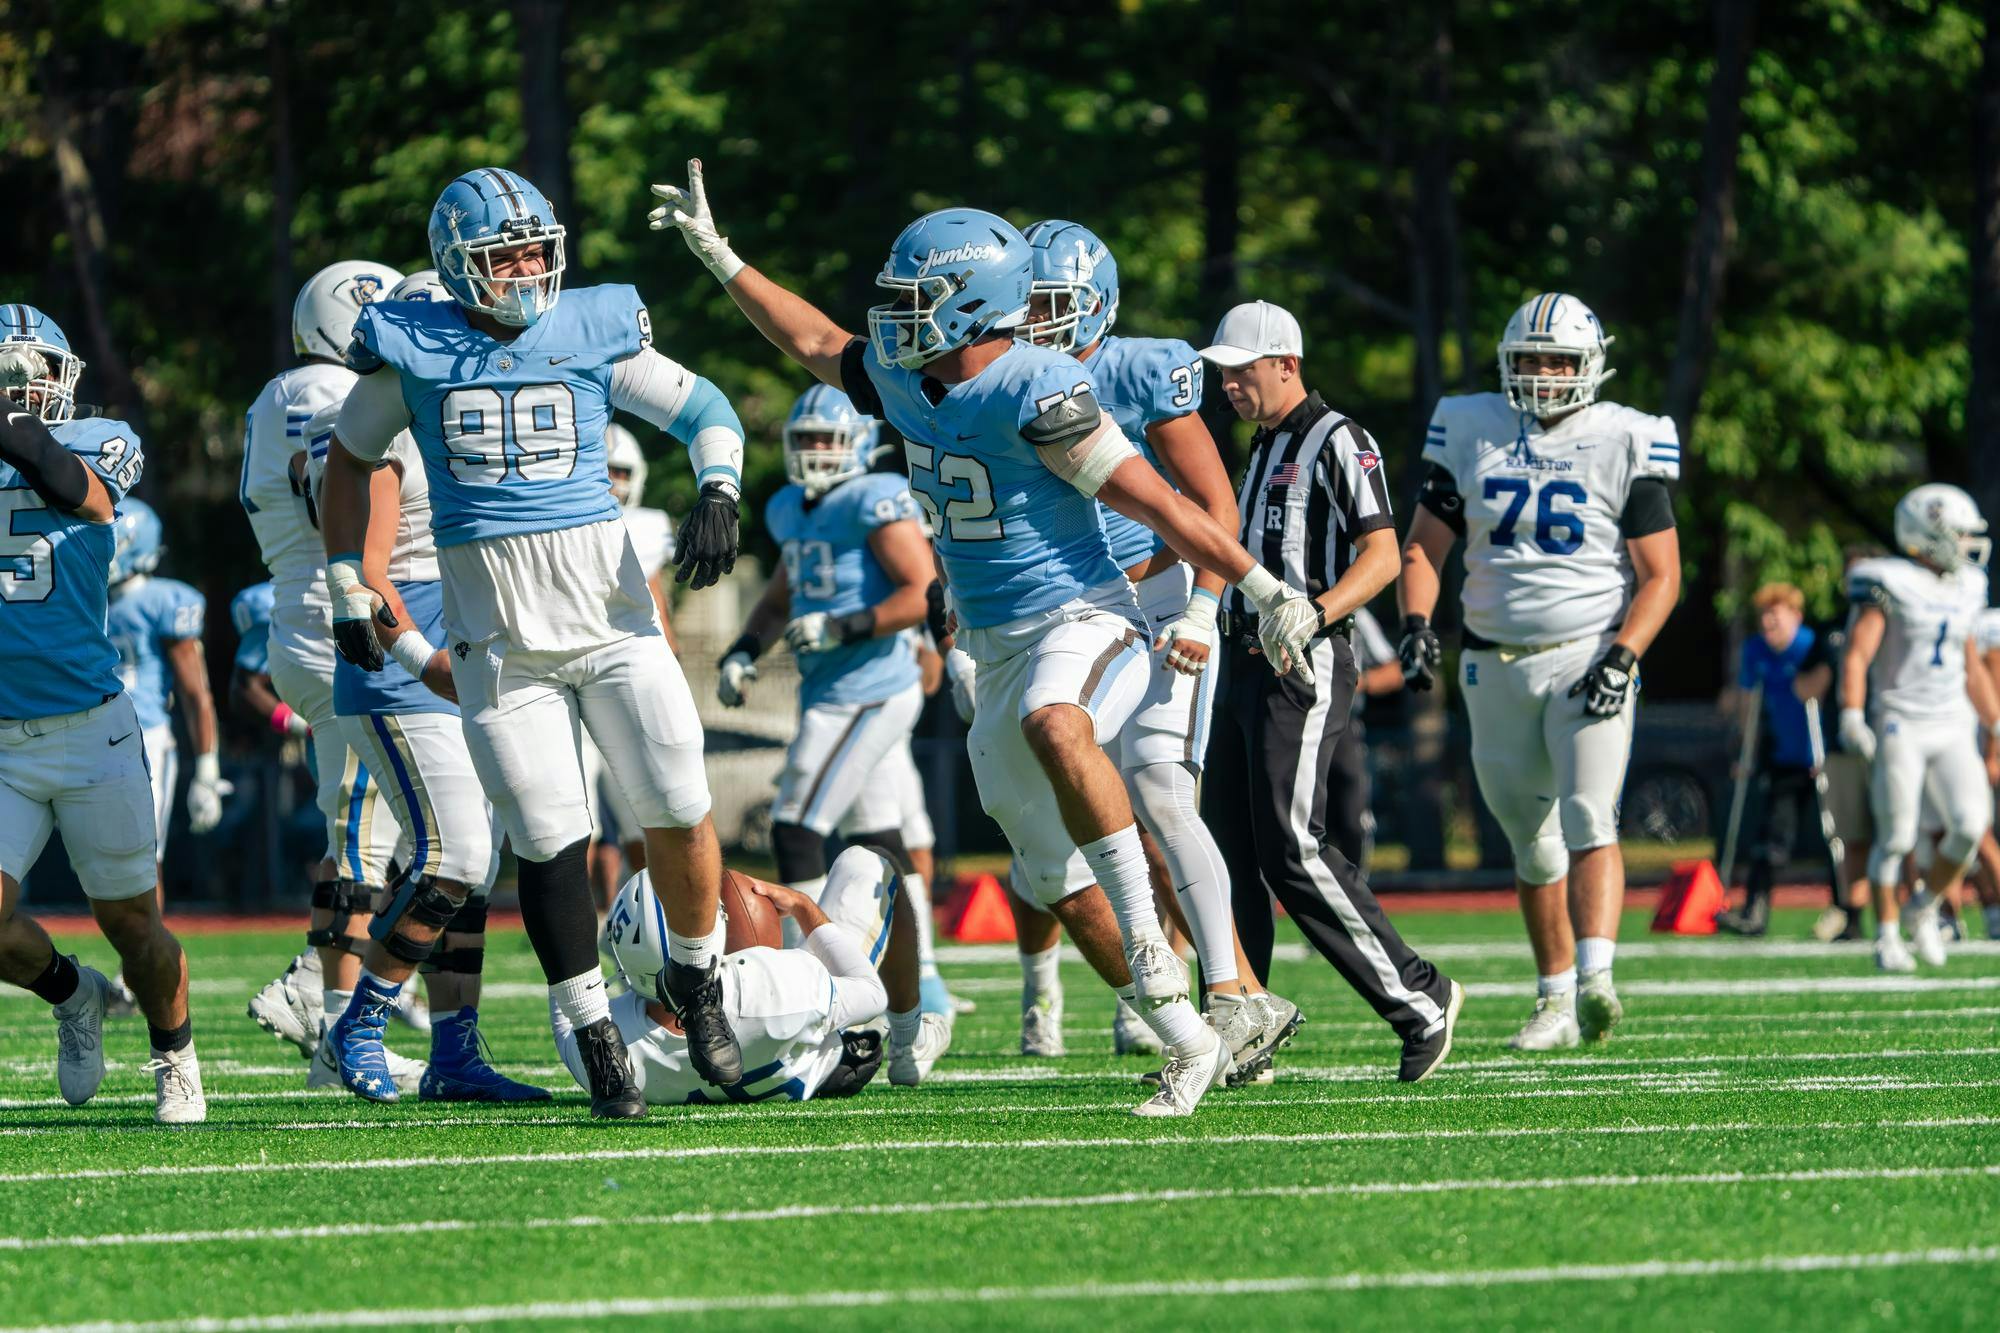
pixel 70 751
pixel 1572 567
pixel 1008 449
pixel 794 1009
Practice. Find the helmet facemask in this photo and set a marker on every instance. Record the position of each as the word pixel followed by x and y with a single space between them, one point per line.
pixel 40 377
pixel 906 331
pixel 1552 395
pixel 820 454
pixel 515 301
pixel 1071 304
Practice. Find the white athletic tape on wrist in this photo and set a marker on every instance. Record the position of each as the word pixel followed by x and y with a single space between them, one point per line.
pixel 414 651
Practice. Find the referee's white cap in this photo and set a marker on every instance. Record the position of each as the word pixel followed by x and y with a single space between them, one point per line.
pixel 1252 330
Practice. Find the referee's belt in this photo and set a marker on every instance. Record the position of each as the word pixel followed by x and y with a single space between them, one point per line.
pixel 1241 629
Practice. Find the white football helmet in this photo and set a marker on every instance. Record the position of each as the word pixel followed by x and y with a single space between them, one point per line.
pixel 1554 323
pixel 423 285
pixel 323 316
pixel 622 453
pixel 1941 525
pixel 637 929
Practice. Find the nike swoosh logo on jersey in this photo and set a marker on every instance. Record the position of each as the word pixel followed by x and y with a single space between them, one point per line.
pixel 126 737
pixel 558 360
pixel 963 438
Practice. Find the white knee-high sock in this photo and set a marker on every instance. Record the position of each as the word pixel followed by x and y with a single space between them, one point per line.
pixel 919 895
pixel 1118 860
pixel 1163 794
pixel 1041 976
pixel 1176 1023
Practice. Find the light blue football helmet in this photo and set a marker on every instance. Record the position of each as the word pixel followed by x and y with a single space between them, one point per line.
pixel 252 607
pixel 139 540
pixel 491 209
pixel 1075 270
pixel 37 369
pixel 827 440
pixel 957 275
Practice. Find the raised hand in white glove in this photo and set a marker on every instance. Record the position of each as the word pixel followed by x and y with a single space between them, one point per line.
pixel 1188 640
pixel 958 665
pixel 205 792
pixel 1854 733
pixel 738 670
pixel 1287 621
pixel 687 211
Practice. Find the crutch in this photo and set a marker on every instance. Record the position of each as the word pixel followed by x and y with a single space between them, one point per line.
pixel 1743 758
pixel 1834 846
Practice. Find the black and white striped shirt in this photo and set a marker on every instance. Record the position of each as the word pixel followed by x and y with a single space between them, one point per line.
pixel 1314 485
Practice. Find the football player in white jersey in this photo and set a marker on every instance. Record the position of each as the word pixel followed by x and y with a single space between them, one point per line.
pixel 1572 566
pixel 796 1010
pixel 617 845
pixel 1986 873
pixel 1911 686
pixel 360 827
pixel 507 390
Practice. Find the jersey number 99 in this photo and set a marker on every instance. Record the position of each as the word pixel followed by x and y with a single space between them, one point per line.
pixel 533 433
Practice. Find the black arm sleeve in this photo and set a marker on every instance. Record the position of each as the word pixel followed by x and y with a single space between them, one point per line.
pixel 1439 494
pixel 56 474
pixel 1649 508
pixel 854 379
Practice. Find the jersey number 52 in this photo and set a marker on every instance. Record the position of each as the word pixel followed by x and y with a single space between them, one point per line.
pixel 967 518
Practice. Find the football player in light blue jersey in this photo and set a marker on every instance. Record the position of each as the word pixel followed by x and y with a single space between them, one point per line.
pixel 70 754
pixel 855 576
pixel 507 390
pixel 1152 388
pixel 251 692
pixel 156 625
pixel 1009 450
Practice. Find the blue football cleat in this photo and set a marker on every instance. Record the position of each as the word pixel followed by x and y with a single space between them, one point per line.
pixel 357 1042
pixel 459 1071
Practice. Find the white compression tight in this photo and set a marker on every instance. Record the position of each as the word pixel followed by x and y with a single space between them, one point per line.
pixel 1163 797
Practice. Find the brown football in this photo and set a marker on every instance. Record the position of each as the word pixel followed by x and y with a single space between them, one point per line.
pixel 751 919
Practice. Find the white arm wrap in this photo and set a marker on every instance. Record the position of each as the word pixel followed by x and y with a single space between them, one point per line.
pixel 1089 463
pixel 651 387
pixel 716 447
pixel 414 651
pixel 373 415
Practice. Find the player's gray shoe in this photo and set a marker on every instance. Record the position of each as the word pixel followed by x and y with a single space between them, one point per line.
pixel 289 1006
pixel 1597 1006
pixel 1158 975
pixel 1927 933
pixel 1553 1026
pixel 80 1036
pixel 1130 1035
pixel 1187 1079
pixel 1041 1027
pixel 177 1095
pixel 1246 1027
pixel 1892 955
pixel 909 1064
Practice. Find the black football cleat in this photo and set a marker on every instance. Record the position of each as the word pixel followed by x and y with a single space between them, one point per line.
pixel 1422 1055
pixel 614 1093
pixel 696 995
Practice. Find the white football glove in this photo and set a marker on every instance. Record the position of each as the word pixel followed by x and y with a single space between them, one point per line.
pixel 812 633
pixel 20 367
pixel 958 665
pixel 1286 622
pixel 687 210
pixel 205 792
pixel 1854 733
pixel 354 611
pixel 738 670
pixel 1188 640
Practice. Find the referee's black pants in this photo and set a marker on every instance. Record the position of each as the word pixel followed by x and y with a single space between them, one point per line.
pixel 1265 791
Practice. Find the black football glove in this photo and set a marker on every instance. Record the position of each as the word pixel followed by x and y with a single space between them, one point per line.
pixel 708 539
pixel 1420 653
pixel 1607 683
pixel 934 620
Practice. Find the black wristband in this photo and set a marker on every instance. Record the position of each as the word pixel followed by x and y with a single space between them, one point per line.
pixel 1414 624
pixel 854 626
pixel 1620 657
pixel 746 642
pixel 52 471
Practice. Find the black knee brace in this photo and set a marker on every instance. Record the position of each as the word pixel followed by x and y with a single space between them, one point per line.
pixel 420 899
pixel 465 959
pixel 799 852
pixel 346 899
pixel 889 842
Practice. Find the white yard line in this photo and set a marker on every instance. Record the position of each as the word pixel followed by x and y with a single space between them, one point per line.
pixel 919 1297
pixel 1049 1203
pixel 1517 950
pixel 457 1162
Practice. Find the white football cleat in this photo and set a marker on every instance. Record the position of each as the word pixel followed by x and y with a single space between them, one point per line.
pixel 324 1072
pixel 1187 1079
pixel 177 1095
pixel 411 1011
pixel 909 1064
pixel 80 1036
pixel 1041 1027
pixel 1158 975
pixel 1597 1006
pixel 1244 1026
pixel 1892 955
pixel 1927 933
pixel 1130 1035
pixel 123 1003
pixel 1553 1026
pixel 289 1006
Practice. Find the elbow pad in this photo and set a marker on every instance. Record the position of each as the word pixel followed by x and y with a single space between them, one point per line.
pixel 709 427
pixel 1079 443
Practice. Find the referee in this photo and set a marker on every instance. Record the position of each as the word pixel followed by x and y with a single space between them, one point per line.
pixel 1316 514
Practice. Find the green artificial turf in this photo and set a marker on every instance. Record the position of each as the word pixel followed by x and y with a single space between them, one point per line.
pixel 1776 1138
